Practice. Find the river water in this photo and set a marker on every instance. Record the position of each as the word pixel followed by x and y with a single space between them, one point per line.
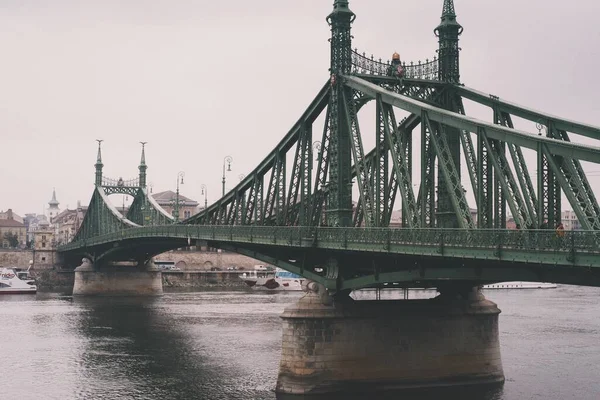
pixel 226 345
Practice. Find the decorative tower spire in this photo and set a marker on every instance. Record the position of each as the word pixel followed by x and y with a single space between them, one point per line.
pixel 53 209
pixel 339 209
pixel 448 32
pixel 143 167
pixel 99 164
pixel 53 202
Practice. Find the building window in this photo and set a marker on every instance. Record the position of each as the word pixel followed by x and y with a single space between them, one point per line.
pixel 43 244
pixel 43 258
pixel 43 237
pixel 187 214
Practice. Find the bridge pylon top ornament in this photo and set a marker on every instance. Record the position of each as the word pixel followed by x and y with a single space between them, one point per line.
pixel 120 185
pixel 443 67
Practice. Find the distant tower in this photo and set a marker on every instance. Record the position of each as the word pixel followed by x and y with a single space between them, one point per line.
pixel 53 209
pixel 448 32
pixel 99 165
pixel 143 167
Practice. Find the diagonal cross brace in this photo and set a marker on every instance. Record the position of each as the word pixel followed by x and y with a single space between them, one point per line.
pixel 400 166
pixel 358 153
pixel 448 168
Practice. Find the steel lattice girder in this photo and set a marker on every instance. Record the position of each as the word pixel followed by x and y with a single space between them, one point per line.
pixel 145 210
pixel 506 179
pixel 448 169
pixel 504 134
pixel 362 177
pixel 401 168
pixel 101 218
pixel 468 149
pixel 527 113
pixel 522 173
pixel 578 189
pixel 581 205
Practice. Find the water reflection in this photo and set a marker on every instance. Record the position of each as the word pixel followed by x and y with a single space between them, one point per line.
pixel 227 345
pixel 134 347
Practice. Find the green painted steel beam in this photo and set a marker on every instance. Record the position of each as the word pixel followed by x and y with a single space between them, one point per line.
pixel 576 248
pixel 278 262
pixel 501 133
pixel 431 276
pixel 528 113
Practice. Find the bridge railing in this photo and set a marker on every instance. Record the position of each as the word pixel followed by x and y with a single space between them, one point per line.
pixel 361 64
pixel 543 240
pixel 135 182
pixel 382 238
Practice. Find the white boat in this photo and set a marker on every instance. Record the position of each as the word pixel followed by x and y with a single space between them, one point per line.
pixel 12 282
pixel 521 285
pixel 282 280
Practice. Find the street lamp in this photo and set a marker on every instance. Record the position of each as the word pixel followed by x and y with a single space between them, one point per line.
pixel 180 176
pixel 205 193
pixel 228 160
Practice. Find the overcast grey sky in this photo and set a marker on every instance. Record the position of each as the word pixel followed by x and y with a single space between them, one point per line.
pixel 200 80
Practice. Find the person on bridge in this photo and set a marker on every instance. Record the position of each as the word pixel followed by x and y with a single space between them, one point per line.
pixel 560 234
pixel 560 230
pixel 395 68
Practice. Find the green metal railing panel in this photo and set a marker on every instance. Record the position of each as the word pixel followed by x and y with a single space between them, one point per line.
pixel 542 247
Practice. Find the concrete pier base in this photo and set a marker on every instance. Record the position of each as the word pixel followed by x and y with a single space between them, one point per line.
pixel 117 280
pixel 353 345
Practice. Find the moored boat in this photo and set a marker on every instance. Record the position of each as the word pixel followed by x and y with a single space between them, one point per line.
pixel 12 283
pixel 282 280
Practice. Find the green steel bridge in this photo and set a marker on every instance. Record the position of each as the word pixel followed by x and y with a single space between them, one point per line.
pixel 299 214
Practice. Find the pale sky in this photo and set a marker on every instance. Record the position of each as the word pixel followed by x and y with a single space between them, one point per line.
pixel 200 80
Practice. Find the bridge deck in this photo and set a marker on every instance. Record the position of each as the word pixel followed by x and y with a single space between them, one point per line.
pixel 542 247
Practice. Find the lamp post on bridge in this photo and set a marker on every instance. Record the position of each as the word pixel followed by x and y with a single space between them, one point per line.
pixel 227 160
pixel 180 176
pixel 205 193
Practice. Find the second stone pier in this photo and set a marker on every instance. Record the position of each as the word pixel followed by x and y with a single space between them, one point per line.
pixel 345 345
pixel 117 280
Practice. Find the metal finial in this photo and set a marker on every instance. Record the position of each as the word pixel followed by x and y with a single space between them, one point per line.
pixel 143 159
pixel 99 157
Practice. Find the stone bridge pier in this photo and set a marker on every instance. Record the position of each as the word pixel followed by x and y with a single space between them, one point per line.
pixel 339 344
pixel 117 279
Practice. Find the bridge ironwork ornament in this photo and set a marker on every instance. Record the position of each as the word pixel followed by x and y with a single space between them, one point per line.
pixel 361 64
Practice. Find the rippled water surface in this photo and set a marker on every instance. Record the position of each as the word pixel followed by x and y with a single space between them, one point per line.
pixel 226 345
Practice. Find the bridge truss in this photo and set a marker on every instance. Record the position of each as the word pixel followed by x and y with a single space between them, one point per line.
pixel 293 186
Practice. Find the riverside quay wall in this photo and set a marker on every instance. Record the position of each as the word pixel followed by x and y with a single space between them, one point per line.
pixel 207 260
pixel 185 260
pixel 196 269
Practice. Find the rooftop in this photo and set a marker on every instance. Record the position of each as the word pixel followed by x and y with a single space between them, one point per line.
pixel 10 223
pixel 167 198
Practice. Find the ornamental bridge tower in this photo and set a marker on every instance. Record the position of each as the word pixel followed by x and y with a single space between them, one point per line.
pixel 339 209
